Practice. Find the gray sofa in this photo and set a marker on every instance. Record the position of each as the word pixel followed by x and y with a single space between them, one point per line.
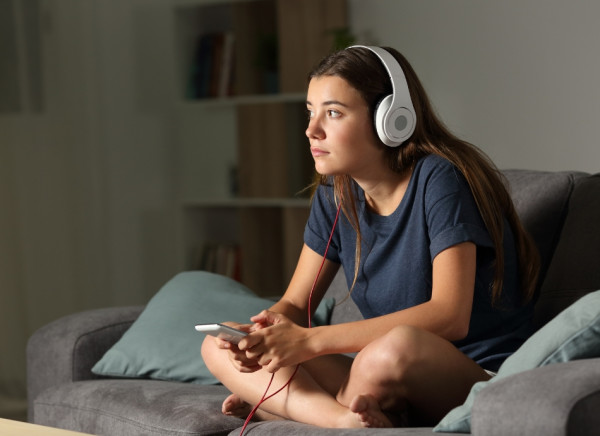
pixel 560 209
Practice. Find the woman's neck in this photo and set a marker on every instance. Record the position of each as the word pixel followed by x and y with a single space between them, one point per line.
pixel 384 195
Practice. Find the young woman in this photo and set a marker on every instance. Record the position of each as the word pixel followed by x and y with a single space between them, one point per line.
pixel 434 254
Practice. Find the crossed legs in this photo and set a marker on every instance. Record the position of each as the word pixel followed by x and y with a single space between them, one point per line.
pixel 407 369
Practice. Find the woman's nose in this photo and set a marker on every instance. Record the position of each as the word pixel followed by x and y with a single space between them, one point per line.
pixel 314 130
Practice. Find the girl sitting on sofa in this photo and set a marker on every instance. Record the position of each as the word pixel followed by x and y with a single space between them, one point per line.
pixel 432 249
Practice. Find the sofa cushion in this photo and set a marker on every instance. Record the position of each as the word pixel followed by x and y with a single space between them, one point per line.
pixel 573 334
pixel 135 407
pixel 541 199
pixel 162 343
pixel 574 269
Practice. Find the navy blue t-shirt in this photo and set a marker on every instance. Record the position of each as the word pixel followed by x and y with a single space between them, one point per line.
pixel 438 211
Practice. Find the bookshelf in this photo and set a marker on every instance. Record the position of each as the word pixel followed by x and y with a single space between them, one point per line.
pixel 264 237
pixel 242 159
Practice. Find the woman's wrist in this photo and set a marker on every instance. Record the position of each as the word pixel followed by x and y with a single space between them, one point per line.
pixel 316 342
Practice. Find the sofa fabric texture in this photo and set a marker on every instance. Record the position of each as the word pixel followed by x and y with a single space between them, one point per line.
pixel 572 412
pixel 560 209
pixel 68 348
pixel 121 407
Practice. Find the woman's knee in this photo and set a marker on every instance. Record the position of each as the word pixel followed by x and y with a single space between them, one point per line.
pixel 383 369
pixel 391 357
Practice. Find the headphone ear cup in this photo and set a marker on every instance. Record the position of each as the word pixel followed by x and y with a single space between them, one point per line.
pixel 395 127
pixel 396 124
pixel 380 118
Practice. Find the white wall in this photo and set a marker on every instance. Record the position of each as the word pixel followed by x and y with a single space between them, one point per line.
pixel 87 216
pixel 518 78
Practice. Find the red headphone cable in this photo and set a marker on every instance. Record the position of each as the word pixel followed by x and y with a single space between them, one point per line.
pixel 264 397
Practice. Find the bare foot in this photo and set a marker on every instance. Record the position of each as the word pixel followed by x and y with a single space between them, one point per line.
pixel 235 406
pixel 369 413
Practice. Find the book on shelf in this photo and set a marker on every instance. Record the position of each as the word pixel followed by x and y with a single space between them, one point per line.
pixel 220 258
pixel 211 74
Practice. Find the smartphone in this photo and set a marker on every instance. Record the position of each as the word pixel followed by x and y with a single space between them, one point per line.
pixel 222 331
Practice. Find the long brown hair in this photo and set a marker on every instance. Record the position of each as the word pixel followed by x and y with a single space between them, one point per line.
pixel 363 71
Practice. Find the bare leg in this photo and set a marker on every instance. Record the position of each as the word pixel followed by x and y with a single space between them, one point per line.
pixel 330 382
pixel 304 400
pixel 410 368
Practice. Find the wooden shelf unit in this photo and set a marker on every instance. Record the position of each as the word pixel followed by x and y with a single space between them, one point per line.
pixel 242 155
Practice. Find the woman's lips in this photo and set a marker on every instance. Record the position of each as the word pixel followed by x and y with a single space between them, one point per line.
pixel 316 152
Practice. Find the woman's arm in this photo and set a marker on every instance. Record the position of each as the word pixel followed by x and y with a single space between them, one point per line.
pixel 447 314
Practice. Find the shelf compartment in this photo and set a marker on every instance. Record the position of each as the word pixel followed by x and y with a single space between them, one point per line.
pixel 275 43
pixel 269 238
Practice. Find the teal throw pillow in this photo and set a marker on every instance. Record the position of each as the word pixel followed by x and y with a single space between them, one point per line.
pixel 573 334
pixel 162 343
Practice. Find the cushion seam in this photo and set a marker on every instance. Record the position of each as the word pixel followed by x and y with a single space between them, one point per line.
pixel 566 343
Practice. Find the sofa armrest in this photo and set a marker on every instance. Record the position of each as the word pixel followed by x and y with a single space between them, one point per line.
pixel 555 400
pixel 65 350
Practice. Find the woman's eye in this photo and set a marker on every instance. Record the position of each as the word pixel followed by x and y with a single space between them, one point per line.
pixel 333 113
pixel 309 114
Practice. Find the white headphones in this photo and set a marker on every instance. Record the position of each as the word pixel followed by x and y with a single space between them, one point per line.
pixel 395 117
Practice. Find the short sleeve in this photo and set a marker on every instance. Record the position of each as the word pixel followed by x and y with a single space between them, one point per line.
pixel 320 222
pixel 451 212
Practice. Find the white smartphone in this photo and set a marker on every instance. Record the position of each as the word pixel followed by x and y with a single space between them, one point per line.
pixel 222 331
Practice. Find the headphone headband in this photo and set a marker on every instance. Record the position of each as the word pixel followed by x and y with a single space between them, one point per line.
pixel 395 117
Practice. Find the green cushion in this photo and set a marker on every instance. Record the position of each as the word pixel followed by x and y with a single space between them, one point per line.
pixel 572 334
pixel 162 343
